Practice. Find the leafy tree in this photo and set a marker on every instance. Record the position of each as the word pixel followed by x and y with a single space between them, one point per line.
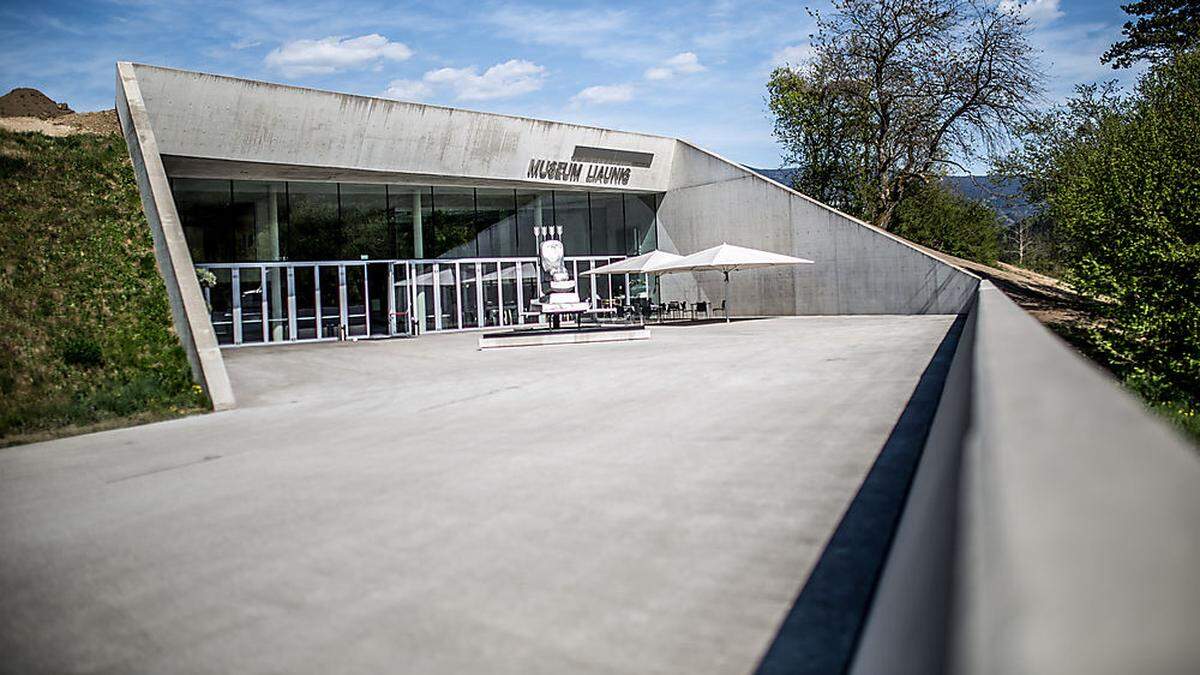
pixel 1033 243
pixel 1121 180
pixel 1163 28
pixel 895 90
pixel 933 216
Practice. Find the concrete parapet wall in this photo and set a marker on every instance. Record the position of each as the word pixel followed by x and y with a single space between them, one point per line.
pixel 217 117
pixel 189 312
pixel 859 268
pixel 1051 526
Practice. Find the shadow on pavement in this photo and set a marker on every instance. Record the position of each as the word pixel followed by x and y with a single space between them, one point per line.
pixel 820 633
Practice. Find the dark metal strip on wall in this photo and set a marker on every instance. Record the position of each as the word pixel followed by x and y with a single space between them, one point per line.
pixel 593 155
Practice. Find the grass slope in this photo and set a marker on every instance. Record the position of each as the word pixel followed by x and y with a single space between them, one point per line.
pixel 85 329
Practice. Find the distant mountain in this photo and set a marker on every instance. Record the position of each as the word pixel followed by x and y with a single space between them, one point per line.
pixel 1002 194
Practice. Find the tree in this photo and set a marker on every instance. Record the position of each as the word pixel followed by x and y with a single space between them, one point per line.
pixel 896 90
pixel 1031 243
pixel 934 216
pixel 1163 28
pixel 1120 177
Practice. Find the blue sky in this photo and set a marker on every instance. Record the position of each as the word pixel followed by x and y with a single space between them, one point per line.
pixel 693 69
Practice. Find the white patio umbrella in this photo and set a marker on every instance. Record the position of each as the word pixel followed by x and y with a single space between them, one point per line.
pixel 635 265
pixel 726 258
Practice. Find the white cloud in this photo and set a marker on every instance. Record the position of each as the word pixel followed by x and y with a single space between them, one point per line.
pixel 335 53
pixel 792 55
pixel 503 80
pixel 603 93
pixel 687 62
pixel 559 27
pixel 1039 12
pixel 408 90
pixel 681 64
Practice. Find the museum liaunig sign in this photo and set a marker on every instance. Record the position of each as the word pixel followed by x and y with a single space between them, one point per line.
pixel 578 172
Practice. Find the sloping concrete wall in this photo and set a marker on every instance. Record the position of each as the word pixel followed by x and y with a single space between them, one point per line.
pixel 859 268
pixel 216 117
pixel 188 309
pixel 1051 526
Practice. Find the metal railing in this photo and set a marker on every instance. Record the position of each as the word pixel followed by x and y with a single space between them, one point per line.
pixel 276 302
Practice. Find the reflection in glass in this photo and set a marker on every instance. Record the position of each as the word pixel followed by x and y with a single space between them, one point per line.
pixel 356 301
pixel 508 282
pixel 496 222
pixel 276 293
pixel 306 303
pixel 608 224
pixel 315 232
pixel 203 207
pixel 601 282
pixel 331 304
pixel 529 288
pixel 424 292
pixel 453 224
pixel 535 208
pixel 585 280
pixel 491 294
pixel 259 217
pixel 639 223
pixel 410 210
pixel 220 303
pixel 571 214
pixel 448 295
pixel 470 301
pixel 404 311
pixel 365 228
pixel 617 284
pixel 252 301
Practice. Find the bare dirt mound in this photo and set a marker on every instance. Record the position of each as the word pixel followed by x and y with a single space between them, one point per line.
pixel 28 102
pixel 1049 300
pixel 101 122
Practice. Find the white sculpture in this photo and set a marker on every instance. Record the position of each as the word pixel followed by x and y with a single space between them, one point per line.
pixel 563 297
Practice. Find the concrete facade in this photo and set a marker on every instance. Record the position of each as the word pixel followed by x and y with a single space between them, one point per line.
pixel 188 311
pixel 860 269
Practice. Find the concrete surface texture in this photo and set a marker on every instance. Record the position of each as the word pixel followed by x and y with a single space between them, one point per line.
pixel 421 506
pixel 216 117
pixel 189 312
pixel 859 269
pixel 1051 526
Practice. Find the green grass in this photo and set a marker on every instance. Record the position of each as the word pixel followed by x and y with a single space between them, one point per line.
pixel 85 328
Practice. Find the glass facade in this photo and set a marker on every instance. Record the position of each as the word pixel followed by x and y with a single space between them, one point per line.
pixel 233 221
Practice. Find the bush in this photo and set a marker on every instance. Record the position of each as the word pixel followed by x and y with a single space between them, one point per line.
pixel 1127 197
pixel 933 216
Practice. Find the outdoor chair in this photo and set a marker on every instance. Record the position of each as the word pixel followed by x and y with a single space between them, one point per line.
pixel 699 307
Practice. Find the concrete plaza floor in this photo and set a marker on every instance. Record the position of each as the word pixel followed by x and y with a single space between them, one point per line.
pixel 420 506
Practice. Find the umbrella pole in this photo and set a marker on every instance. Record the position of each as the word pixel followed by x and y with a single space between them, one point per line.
pixel 726 296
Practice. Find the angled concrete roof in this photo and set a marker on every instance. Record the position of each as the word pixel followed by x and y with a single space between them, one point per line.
pixel 199 116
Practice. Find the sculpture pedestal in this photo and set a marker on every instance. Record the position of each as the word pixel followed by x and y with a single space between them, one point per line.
pixel 562 336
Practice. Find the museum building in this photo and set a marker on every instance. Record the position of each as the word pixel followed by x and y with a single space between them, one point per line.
pixel 285 214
